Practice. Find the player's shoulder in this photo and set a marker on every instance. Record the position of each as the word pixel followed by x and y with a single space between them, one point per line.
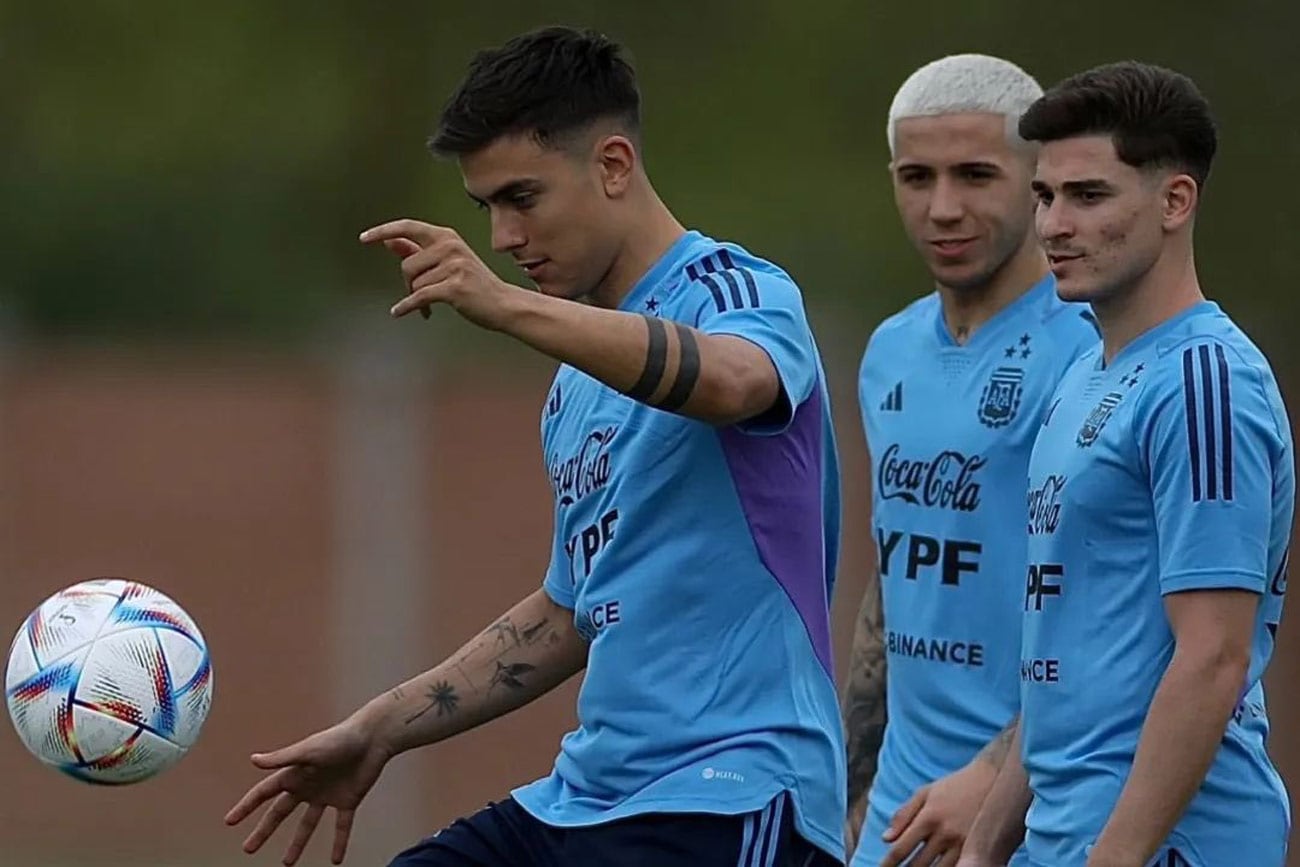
pixel 905 325
pixel 1206 358
pixel 724 276
pixel 733 256
pixel 1207 336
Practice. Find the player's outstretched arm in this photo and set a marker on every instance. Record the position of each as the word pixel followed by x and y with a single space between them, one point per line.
pixel 720 379
pixel 716 378
pixel 864 706
pixel 999 827
pixel 525 653
pixel 1185 723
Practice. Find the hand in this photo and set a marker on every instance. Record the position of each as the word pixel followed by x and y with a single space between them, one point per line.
pixel 938 815
pixel 333 768
pixel 440 268
pixel 853 825
pixel 402 248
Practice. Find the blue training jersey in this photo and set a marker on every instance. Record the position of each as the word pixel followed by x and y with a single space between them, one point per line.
pixel 949 428
pixel 698 562
pixel 1168 470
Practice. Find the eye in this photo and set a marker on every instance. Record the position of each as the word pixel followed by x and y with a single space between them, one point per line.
pixel 523 201
pixel 978 175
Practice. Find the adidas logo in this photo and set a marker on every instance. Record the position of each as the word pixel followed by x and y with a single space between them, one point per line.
pixel 893 401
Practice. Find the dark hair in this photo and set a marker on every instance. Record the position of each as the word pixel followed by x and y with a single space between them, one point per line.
pixel 548 83
pixel 1156 117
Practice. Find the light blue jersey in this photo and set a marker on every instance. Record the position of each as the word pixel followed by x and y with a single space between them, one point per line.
pixel 697 561
pixel 1168 470
pixel 950 428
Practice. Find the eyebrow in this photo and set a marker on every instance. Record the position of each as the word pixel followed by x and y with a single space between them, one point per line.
pixel 967 164
pixel 507 191
pixel 1088 185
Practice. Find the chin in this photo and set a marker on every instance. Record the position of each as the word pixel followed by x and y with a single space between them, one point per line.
pixel 960 278
pixel 1082 291
pixel 1071 290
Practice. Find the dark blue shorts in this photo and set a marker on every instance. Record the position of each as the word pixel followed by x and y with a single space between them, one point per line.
pixel 504 834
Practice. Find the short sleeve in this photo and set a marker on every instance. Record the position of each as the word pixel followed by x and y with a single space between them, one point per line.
pixel 558 584
pixel 1210 442
pixel 767 310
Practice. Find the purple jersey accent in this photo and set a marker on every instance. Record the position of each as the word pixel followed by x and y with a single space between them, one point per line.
pixel 779 482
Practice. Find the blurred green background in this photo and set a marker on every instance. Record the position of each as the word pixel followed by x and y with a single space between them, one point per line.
pixel 199 382
pixel 180 171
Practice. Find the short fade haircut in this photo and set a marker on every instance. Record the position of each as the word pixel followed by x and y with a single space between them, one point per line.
pixel 548 83
pixel 1156 117
pixel 964 83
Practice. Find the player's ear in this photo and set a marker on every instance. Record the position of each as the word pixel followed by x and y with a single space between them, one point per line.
pixel 1180 195
pixel 616 159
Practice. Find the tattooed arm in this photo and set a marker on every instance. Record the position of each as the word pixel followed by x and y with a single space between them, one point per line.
pixel 527 652
pixel 864 703
pixel 530 650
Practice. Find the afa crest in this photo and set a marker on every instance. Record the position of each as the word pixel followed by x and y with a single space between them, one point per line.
pixel 1097 419
pixel 1001 397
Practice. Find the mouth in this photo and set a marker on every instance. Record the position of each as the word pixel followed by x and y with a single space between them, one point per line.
pixel 1058 261
pixel 951 248
pixel 532 266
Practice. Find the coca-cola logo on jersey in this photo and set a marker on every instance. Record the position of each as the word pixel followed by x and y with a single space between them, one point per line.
pixel 946 482
pixel 585 472
pixel 1045 506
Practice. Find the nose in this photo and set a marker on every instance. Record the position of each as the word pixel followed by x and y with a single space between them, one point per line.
pixel 507 231
pixel 1051 221
pixel 946 204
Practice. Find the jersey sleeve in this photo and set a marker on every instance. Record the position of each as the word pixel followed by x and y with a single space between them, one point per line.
pixel 557 583
pixel 767 310
pixel 1210 442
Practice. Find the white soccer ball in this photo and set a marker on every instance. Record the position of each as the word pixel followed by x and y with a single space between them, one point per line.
pixel 109 681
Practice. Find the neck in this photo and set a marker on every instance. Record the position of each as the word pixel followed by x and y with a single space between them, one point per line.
pixel 1167 289
pixel 656 230
pixel 965 310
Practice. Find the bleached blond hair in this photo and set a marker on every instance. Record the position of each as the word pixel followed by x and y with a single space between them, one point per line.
pixel 965 83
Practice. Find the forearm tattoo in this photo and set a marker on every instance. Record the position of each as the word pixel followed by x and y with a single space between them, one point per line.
pixel 442 695
pixel 864 703
pixel 687 370
pixel 502 638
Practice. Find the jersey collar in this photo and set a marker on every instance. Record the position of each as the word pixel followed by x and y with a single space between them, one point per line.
pixel 1029 297
pixel 671 261
pixel 1155 333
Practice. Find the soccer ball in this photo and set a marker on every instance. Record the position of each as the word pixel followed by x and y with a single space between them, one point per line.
pixel 109 681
